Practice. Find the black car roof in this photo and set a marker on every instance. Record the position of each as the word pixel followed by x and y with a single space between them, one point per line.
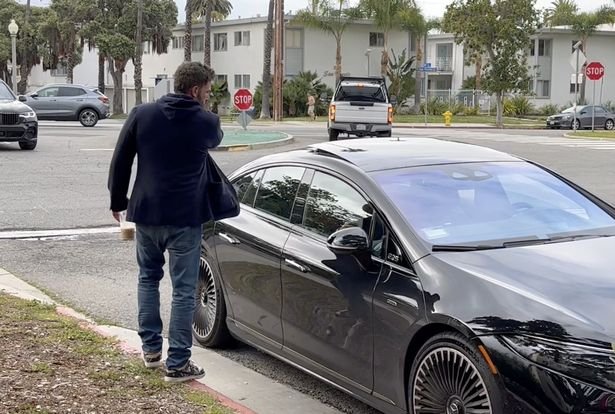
pixel 374 154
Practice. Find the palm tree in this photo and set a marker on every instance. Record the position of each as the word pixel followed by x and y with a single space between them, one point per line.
pixel 561 13
pixel 265 107
pixel 188 33
pixel 205 9
pixel 387 15
pixel 333 19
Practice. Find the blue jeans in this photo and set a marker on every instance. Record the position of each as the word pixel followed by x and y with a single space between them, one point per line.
pixel 183 245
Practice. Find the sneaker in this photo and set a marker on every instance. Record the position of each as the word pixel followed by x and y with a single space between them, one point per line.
pixel 152 359
pixel 190 371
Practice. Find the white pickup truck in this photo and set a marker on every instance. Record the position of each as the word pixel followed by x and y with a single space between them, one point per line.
pixel 361 107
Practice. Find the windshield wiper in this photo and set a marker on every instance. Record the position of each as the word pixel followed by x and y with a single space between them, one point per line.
pixel 463 248
pixel 555 239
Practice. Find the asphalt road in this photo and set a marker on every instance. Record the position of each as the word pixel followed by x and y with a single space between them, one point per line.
pixel 62 185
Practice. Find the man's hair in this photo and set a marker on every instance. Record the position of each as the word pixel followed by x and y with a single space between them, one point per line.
pixel 191 74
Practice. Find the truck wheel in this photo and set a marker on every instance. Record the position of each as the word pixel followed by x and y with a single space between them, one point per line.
pixel 27 145
pixel 333 134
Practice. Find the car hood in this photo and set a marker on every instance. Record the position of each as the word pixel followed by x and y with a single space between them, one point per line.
pixel 8 106
pixel 564 290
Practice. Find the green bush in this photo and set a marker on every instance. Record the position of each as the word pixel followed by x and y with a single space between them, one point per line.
pixel 435 106
pixel 549 109
pixel 457 108
pixel 471 111
pixel 509 108
pixel 522 105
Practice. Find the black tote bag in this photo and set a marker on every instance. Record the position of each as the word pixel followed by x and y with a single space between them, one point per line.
pixel 221 195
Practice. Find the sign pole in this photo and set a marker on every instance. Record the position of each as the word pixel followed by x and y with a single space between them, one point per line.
pixel 601 84
pixel 576 93
pixel 594 109
pixel 426 97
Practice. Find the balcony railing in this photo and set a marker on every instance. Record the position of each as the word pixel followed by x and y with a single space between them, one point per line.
pixel 444 64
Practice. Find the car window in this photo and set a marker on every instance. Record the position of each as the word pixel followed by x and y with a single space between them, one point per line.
pixel 333 204
pixel 477 203
pixel 277 191
pixel 250 195
pixel 378 238
pixel 600 110
pixel 242 184
pixel 48 92
pixel 360 93
pixel 5 92
pixel 71 91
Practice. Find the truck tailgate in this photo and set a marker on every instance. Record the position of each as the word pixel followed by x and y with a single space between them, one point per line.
pixel 361 112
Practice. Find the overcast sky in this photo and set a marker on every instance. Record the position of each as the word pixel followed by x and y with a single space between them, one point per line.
pixel 432 8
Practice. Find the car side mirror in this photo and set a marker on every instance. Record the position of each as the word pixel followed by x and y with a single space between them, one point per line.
pixel 22 98
pixel 583 112
pixel 34 95
pixel 348 241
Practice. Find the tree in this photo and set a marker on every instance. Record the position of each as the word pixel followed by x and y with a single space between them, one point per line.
pixel 138 58
pixel 205 9
pixel 188 34
pixel 265 107
pixel 387 15
pixel 501 29
pixel 561 13
pixel 333 17
pixel 400 72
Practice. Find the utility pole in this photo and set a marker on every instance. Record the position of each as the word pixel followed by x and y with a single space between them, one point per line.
pixel 278 71
pixel 139 55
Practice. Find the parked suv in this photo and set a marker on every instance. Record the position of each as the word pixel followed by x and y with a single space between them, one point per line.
pixel 67 102
pixel 361 107
pixel 18 121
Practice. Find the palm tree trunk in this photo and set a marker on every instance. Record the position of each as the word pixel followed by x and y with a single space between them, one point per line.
pixel 418 75
pixel 25 71
pixel 188 34
pixel 138 60
pixel 209 6
pixel 118 86
pixel 582 70
pixel 70 68
pixel 101 72
pixel 338 59
pixel 384 61
pixel 265 107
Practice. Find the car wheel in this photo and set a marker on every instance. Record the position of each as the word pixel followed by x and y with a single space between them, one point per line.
pixel 209 323
pixel 609 125
pixel 88 117
pixel 27 145
pixel 388 134
pixel 576 124
pixel 333 134
pixel 450 377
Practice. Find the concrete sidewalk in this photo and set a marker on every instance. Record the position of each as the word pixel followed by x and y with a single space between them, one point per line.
pixel 236 386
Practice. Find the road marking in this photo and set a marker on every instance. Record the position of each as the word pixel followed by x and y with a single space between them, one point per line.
pixel 42 234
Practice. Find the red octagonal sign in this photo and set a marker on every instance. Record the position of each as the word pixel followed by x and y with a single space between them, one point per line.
pixel 243 99
pixel 594 71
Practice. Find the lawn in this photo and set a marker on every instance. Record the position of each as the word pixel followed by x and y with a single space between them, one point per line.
pixel 594 134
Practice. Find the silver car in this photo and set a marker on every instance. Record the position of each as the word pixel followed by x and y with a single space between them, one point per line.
pixel 68 102
pixel 603 118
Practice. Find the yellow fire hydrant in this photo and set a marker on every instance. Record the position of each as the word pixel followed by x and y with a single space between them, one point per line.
pixel 448 116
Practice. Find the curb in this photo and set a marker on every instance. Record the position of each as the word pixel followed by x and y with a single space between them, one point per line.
pixel 21 289
pixel 258 145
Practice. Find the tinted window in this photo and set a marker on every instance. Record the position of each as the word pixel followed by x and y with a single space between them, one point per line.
pixel 277 191
pixel 48 92
pixel 242 184
pixel 333 204
pixel 5 92
pixel 482 202
pixel 357 93
pixel 68 91
pixel 252 189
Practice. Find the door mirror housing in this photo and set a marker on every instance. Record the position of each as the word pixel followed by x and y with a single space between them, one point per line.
pixel 348 241
pixel 22 98
pixel 34 95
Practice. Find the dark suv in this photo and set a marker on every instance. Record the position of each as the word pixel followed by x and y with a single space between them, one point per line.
pixel 18 122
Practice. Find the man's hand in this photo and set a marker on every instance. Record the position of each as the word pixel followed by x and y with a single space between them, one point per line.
pixel 116 215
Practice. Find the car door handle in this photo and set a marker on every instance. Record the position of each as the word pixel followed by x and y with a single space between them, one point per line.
pixel 229 239
pixel 293 264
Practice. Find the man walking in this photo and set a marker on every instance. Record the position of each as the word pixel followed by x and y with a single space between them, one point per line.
pixel 171 139
pixel 311 103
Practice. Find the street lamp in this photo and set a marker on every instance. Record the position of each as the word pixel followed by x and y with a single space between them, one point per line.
pixel 13 30
pixel 367 53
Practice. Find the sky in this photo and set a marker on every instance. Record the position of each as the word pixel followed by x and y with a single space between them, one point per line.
pixel 431 8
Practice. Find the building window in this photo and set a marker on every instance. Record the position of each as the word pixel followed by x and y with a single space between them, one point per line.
pixel 198 43
pixel 293 39
pixel 412 42
pixel 577 87
pixel 242 81
pixel 220 42
pixel 178 42
pixel 147 48
pixel 543 88
pixel 242 38
pixel 60 71
pixel 376 39
pixel 220 79
pixel 544 47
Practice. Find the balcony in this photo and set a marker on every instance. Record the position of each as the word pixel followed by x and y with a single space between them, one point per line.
pixel 444 64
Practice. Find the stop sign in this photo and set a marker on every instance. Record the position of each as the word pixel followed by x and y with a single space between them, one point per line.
pixel 243 99
pixel 594 71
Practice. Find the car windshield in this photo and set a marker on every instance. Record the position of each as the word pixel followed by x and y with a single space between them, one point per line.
pixel 571 109
pixel 360 93
pixel 5 93
pixel 490 204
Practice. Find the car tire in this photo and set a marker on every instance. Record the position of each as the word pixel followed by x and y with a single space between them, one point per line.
pixel 388 134
pixel 88 117
pixel 27 145
pixel 333 134
pixel 576 124
pixel 209 323
pixel 609 125
pixel 434 360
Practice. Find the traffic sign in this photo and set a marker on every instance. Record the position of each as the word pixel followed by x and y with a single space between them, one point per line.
pixel 594 71
pixel 243 99
pixel 573 59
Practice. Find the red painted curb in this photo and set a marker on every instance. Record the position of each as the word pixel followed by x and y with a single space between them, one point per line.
pixel 128 349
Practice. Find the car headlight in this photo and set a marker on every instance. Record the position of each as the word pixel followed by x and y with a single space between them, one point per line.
pixel 27 116
pixel 586 363
pixel 567 117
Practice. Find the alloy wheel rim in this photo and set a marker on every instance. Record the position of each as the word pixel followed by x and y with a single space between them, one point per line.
pixel 206 302
pixel 88 117
pixel 447 382
pixel 610 124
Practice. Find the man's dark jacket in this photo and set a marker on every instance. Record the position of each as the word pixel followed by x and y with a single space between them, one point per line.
pixel 171 139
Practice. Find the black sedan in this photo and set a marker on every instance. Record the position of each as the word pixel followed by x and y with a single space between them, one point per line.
pixel 18 122
pixel 420 276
